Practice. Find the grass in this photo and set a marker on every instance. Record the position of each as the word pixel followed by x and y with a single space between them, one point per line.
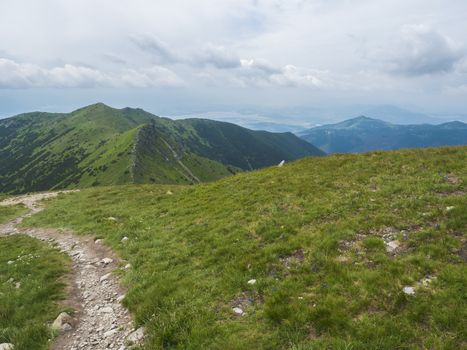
pixel 312 234
pixel 30 286
pixel 10 212
pixel 99 145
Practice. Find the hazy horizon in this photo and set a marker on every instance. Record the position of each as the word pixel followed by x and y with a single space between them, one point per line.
pixel 289 62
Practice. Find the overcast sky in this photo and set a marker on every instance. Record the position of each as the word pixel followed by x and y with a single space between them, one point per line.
pixel 184 56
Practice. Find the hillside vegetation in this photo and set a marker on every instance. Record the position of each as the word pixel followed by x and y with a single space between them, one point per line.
pixel 11 212
pixel 342 252
pixel 31 284
pixel 364 134
pixel 99 145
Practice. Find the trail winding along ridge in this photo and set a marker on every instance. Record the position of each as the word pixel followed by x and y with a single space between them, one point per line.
pixel 100 320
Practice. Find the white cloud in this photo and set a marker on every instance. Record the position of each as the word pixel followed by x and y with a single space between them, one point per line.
pixel 150 77
pixel 340 50
pixel 15 75
pixel 421 51
pixel 262 73
pixel 155 47
pixel 216 56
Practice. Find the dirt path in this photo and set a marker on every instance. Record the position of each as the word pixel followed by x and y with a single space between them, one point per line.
pixel 100 320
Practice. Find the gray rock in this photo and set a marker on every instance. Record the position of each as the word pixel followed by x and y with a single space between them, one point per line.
pixel 409 290
pixel 105 277
pixel 392 246
pixel 110 333
pixel 7 346
pixel 107 310
pixel 137 336
pixel 62 323
pixel 237 311
pixel 107 261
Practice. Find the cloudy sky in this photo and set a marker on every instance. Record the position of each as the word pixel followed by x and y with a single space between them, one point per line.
pixel 185 56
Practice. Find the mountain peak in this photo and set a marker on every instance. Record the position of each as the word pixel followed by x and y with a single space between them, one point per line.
pixel 361 122
pixel 98 105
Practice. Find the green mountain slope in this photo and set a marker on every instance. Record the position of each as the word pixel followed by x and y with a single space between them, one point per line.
pixel 364 134
pixel 330 242
pixel 99 145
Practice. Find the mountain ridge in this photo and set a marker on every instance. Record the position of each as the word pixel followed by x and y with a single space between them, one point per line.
pixel 363 134
pixel 96 145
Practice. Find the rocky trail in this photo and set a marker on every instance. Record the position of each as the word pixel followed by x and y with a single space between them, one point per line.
pixel 100 321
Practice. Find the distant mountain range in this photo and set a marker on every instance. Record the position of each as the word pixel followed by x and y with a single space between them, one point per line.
pixel 100 145
pixel 364 134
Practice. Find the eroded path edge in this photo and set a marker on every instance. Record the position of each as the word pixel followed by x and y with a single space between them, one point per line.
pixel 100 321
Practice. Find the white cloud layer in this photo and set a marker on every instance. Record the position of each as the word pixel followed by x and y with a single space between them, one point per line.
pixel 15 75
pixel 243 52
pixel 422 51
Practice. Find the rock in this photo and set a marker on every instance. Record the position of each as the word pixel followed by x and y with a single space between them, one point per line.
pixel 281 164
pixel 107 310
pixel 127 266
pixel 67 327
pixel 425 282
pixel 105 277
pixel 7 346
pixel 18 285
pixel 252 281
pixel 110 333
pixel 10 262
pixel 392 246
pixel 449 208
pixel 409 290
pixel 237 311
pixel 137 336
pixel 120 298
pixel 169 192
pixel 62 323
pixel 107 261
pixel 98 241
pixel 124 239
pixel 342 259
pixel 111 218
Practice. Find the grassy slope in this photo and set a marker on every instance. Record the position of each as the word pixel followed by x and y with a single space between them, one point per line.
pixel 26 311
pixel 8 213
pixel 162 157
pixel 47 151
pixel 311 234
pixel 99 145
pixel 244 148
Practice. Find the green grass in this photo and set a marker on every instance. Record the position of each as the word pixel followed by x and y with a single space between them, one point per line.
pixel 30 286
pixel 99 145
pixel 311 234
pixel 11 212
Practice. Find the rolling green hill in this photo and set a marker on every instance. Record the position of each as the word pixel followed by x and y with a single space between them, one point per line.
pixel 99 145
pixel 361 252
pixel 364 134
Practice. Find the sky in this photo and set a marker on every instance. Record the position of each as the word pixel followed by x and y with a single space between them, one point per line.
pixel 305 60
